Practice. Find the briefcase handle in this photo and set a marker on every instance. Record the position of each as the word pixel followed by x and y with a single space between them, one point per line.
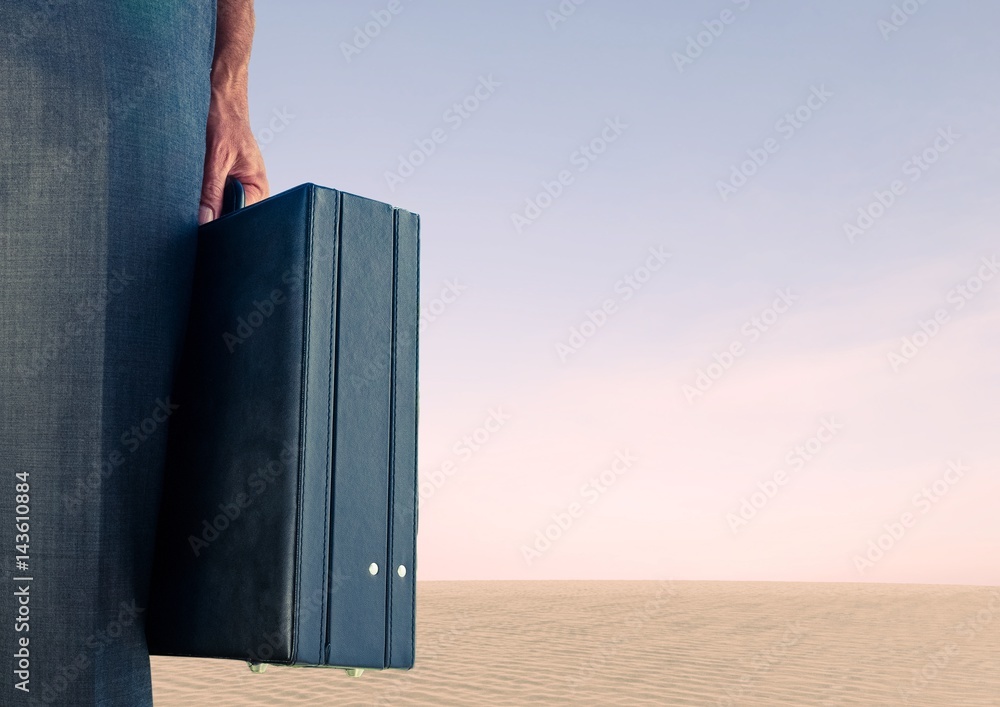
pixel 233 196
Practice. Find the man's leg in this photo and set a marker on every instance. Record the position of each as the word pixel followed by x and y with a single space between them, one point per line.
pixel 103 107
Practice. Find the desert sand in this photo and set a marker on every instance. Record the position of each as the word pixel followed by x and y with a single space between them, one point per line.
pixel 653 642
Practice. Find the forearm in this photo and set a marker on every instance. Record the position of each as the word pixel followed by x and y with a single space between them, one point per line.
pixel 230 146
pixel 233 40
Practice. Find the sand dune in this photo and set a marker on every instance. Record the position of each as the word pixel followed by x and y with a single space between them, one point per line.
pixel 666 643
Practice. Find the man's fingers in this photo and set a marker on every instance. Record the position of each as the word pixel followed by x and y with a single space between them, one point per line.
pixel 255 189
pixel 249 169
pixel 211 196
pixel 239 158
pixel 213 182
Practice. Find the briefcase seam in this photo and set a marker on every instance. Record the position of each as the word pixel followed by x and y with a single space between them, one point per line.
pixel 334 302
pixel 303 432
pixel 311 238
pixel 390 596
pixel 416 422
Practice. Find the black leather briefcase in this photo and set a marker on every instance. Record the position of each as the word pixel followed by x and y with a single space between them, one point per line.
pixel 287 532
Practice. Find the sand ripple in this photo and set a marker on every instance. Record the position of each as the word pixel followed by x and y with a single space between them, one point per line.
pixel 663 643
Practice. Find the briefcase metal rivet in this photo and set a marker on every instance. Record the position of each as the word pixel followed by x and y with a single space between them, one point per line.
pixel 373 568
pixel 401 571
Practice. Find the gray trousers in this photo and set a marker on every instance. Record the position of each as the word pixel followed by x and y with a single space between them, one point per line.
pixel 103 107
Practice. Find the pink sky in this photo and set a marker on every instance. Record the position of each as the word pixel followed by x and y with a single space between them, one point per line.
pixel 887 97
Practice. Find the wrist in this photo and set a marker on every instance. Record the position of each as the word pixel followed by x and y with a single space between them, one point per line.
pixel 229 78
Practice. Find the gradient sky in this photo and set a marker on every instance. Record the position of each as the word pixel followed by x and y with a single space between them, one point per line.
pixel 345 122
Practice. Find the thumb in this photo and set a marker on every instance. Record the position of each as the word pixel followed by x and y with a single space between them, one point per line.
pixel 213 184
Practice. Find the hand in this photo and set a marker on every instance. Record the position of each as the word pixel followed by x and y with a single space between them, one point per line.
pixel 231 149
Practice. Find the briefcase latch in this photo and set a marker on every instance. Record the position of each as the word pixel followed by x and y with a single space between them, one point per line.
pixel 257 667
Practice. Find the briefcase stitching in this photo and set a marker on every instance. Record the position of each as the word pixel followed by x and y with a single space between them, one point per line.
pixel 303 430
pixel 416 422
pixel 392 435
pixel 334 331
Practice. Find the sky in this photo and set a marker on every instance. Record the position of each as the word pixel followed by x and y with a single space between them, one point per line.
pixel 710 290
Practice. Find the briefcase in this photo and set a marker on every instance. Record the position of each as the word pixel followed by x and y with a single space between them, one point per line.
pixel 287 531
